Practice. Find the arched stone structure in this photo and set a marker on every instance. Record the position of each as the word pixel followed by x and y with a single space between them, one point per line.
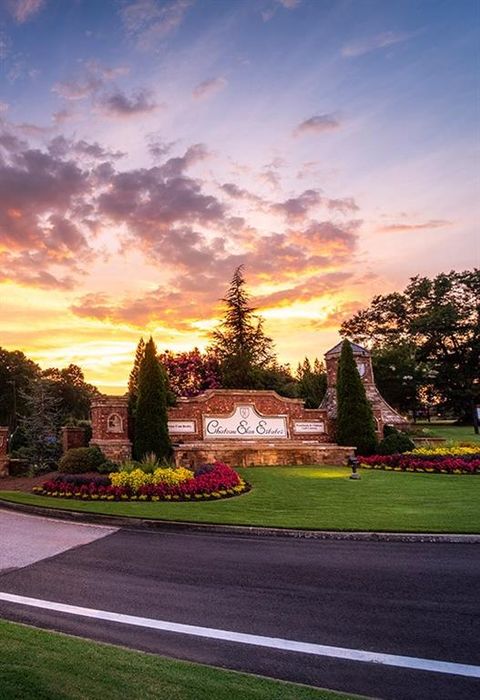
pixel 383 413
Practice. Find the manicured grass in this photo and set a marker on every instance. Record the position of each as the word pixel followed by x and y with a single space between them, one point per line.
pixel 317 498
pixel 454 433
pixel 39 665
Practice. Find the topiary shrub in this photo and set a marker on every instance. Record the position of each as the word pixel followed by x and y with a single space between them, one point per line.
pixel 81 459
pixel 394 442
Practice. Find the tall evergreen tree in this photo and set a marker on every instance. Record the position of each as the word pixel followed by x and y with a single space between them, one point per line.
pixel 240 342
pixel 151 418
pixel 134 374
pixel 355 425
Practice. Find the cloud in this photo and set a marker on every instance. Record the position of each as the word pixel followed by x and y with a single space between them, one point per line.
pixel 317 124
pixel 236 192
pixel 299 208
pixel 93 77
pixel 309 288
pixel 269 12
pixel 41 242
pixel 209 87
pixel 61 146
pixel 360 47
pixel 433 223
pixel 340 313
pixel 118 104
pixel 23 10
pixel 157 146
pixel 148 21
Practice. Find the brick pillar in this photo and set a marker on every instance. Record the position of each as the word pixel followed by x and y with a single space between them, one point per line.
pixel 110 427
pixel 4 431
pixel 73 436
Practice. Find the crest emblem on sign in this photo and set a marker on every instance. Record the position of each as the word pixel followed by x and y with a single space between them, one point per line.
pixel 244 411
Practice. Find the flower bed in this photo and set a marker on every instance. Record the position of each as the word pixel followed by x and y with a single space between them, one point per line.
pixel 430 460
pixel 209 482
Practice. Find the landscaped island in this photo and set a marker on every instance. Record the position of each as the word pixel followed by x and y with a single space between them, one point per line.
pixel 210 481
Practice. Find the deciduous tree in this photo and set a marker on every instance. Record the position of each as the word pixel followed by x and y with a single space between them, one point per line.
pixel 440 317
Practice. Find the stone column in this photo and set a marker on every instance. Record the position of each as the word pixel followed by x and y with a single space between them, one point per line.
pixel 110 427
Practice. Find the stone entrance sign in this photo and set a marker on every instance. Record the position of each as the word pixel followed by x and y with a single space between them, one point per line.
pixel 245 423
pixel 228 415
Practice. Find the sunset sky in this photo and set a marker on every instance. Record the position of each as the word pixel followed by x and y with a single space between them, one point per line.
pixel 148 147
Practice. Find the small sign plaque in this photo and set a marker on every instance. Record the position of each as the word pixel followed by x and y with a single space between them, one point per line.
pixel 245 424
pixel 181 427
pixel 311 427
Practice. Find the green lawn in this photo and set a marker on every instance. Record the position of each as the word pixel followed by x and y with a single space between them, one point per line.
pixel 455 433
pixel 318 498
pixel 39 665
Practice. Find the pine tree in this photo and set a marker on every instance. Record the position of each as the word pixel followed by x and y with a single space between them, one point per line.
pixel 151 417
pixel 355 425
pixel 240 343
pixel 41 428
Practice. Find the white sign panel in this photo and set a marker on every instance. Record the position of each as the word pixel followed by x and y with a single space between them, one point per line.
pixel 245 424
pixel 181 427
pixel 312 426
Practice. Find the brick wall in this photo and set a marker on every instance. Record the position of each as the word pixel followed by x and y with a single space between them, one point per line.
pixel 221 402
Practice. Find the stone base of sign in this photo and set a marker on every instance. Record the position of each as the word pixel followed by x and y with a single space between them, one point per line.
pixel 115 450
pixel 261 454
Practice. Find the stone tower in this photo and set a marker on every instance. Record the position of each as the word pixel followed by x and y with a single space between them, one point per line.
pixel 383 413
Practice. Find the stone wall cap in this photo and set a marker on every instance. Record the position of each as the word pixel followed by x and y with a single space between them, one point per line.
pixel 200 398
pixel 110 400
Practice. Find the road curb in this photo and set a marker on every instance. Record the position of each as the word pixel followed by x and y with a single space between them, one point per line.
pixel 239 530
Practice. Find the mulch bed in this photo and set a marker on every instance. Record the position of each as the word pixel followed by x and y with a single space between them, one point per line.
pixel 26 483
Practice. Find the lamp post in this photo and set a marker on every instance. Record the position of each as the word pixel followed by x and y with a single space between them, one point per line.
pixel 353 463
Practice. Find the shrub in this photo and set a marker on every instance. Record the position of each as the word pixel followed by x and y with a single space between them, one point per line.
pixel 107 467
pixel 81 459
pixel 395 442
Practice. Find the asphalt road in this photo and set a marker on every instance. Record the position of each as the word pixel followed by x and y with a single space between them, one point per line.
pixel 409 599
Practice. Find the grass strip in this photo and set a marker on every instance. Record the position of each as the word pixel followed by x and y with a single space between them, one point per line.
pixel 316 498
pixel 40 665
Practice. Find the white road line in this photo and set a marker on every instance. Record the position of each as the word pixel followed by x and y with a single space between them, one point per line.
pixel 410 662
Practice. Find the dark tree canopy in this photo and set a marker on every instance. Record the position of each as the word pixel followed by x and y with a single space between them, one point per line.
pixel 312 382
pixel 355 425
pixel 151 426
pixel 240 344
pixel 17 375
pixel 73 393
pixel 440 317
